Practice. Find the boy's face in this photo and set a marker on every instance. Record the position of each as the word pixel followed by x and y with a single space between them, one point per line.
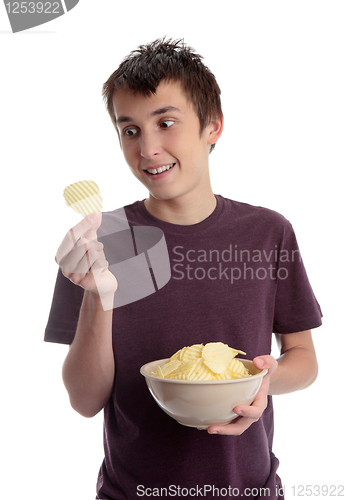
pixel 162 131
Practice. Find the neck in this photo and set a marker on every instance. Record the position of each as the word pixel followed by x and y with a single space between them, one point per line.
pixel 184 211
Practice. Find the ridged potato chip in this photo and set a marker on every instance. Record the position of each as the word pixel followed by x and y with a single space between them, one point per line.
pixel 220 351
pixel 159 372
pixel 184 369
pixel 192 352
pixel 214 361
pixel 200 371
pixel 236 366
pixel 215 365
pixel 84 197
pixel 179 354
pixel 170 367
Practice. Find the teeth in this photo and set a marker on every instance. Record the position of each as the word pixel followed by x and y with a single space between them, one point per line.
pixel 160 169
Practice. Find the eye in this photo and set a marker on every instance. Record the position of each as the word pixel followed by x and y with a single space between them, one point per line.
pixel 129 132
pixel 166 123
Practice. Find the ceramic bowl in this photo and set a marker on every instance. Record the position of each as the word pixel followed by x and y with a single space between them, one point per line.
pixel 202 403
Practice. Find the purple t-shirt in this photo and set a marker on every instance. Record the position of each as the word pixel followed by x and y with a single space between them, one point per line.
pixel 236 277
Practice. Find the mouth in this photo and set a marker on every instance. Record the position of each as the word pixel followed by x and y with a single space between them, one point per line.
pixel 160 170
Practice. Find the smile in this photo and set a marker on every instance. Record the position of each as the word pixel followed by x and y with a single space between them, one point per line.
pixel 154 171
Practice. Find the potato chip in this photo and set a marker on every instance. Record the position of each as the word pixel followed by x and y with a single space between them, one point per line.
pixel 223 376
pixel 200 371
pixel 228 375
pixel 215 365
pixel 222 352
pixel 236 366
pixel 180 376
pixel 184 368
pixel 84 197
pixel 192 352
pixel 235 369
pixel 218 349
pixel 238 352
pixel 167 368
pixel 159 372
pixel 214 361
pixel 170 367
pixel 179 354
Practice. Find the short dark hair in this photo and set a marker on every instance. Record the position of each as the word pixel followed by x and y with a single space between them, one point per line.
pixel 144 69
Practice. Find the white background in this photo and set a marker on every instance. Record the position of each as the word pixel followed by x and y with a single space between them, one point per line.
pixel 281 68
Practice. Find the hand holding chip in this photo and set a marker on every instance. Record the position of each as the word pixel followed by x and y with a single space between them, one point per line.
pixel 82 260
pixel 80 256
pixel 250 414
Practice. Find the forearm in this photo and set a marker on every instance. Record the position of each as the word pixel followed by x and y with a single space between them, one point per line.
pixel 297 369
pixel 88 370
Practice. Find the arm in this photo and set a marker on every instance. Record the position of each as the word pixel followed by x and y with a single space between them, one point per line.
pixel 295 369
pixel 88 370
pixel 297 365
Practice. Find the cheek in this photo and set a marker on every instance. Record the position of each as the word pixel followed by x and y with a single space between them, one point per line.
pixel 194 153
pixel 183 147
pixel 129 155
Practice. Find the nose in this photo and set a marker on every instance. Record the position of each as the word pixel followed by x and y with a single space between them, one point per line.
pixel 149 145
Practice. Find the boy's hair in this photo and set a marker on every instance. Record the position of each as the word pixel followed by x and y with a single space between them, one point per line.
pixel 144 69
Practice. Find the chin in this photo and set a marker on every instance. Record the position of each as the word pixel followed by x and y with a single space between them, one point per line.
pixel 161 197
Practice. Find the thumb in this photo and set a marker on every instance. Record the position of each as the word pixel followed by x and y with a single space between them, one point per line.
pixel 90 224
pixel 265 361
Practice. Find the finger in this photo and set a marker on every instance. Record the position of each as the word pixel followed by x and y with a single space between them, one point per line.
pixel 76 261
pixel 235 428
pixel 91 280
pixel 87 255
pixel 85 228
pixel 94 255
pixel 248 414
pixel 90 243
pixel 258 405
pixel 87 262
pixel 266 361
pixel 253 411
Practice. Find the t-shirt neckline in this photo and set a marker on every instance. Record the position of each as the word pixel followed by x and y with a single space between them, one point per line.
pixel 145 216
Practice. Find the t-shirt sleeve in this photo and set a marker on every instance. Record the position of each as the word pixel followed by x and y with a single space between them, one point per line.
pixel 296 307
pixel 64 312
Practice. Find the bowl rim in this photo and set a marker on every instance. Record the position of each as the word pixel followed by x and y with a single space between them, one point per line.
pixel 147 375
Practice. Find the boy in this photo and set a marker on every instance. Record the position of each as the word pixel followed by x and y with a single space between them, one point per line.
pixel 236 277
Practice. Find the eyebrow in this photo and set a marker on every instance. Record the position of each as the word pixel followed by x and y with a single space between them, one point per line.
pixel 157 112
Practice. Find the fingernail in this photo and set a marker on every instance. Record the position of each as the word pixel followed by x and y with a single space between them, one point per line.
pixel 92 217
pixel 260 363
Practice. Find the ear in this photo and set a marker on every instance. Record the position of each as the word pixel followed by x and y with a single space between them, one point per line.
pixel 215 129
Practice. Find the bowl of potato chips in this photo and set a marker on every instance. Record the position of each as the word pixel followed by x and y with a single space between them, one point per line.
pixel 201 384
